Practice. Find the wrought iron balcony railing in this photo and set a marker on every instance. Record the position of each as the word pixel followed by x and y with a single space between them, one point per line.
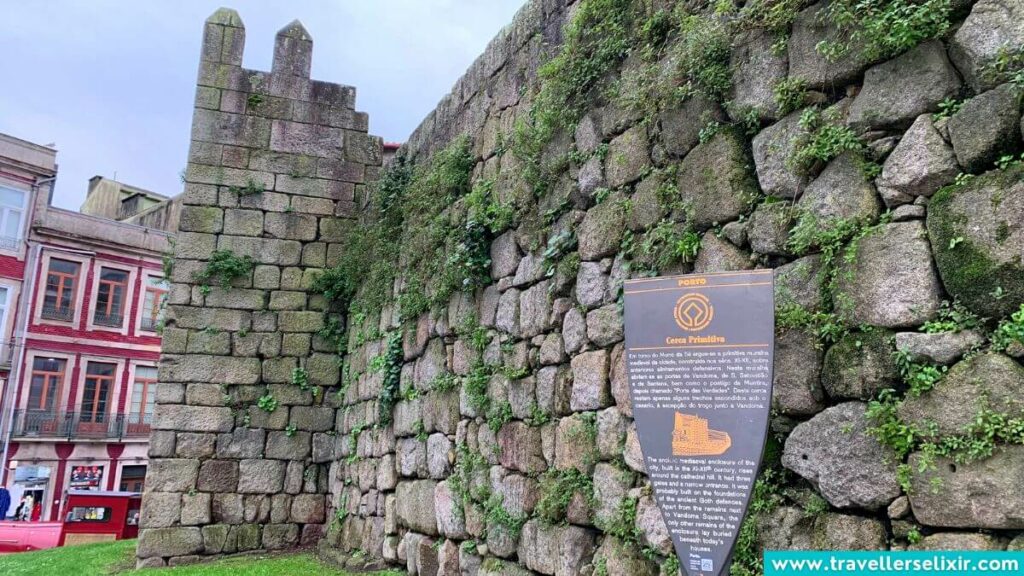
pixel 149 324
pixel 7 352
pixel 63 314
pixel 71 425
pixel 135 425
pixel 109 320
pixel 9 243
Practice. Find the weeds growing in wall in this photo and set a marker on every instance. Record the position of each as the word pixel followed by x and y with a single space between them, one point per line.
pixel 427 226
pixel 224 267
pixel 442 222
pixel 417 218
pixel 988 428
pixel 881 29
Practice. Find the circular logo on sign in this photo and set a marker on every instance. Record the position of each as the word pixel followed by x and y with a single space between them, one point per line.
pixel 693 312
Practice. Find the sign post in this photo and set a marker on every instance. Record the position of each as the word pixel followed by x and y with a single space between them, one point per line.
pixel 699 361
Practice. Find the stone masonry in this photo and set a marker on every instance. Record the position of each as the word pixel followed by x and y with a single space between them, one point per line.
pixel 276 163
pixel 562 335
pixel 553 481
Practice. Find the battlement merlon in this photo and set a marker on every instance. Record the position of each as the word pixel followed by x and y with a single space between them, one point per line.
pixel 293 51
pixel 221 66
pixel 223 38
pixel 278 131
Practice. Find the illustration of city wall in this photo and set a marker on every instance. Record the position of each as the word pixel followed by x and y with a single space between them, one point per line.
pixel 481 423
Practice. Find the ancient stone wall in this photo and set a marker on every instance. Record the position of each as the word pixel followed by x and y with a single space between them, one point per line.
pixel 243 433
pixel 883 183
pixel 483 422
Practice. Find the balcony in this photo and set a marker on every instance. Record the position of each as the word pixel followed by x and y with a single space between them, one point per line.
pixel 7 353
pixel 66 314
pixel 136 425
pixel 108 320
pixel 149 324
pixel 9 243
pixel 76 425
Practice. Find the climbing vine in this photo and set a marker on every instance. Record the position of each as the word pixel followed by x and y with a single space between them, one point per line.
pixel 392 369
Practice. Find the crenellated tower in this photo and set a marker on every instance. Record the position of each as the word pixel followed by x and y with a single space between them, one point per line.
pixel 242 440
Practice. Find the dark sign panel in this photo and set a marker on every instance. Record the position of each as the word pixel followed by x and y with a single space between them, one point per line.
pixel 699 359
pixel 86 477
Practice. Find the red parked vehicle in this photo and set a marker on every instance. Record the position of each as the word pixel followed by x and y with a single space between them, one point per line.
pixel 90 516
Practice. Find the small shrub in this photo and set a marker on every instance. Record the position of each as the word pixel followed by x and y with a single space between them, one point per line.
pixel 444 382
pixel 1007 66
pixel 947 108
pixel 702 55
pixel 790 94
pixel 952 318
pixel 558 247
pixel 884 28
pixel 667 244
pixel 557 489
pixel 421 431
pixel 815 505
pixel 251 187
pixel 919 377
pixel 498 415
pixel 1009 330
pixel 267 402
pixel 224 267
pixel 826 138
pixel 709 131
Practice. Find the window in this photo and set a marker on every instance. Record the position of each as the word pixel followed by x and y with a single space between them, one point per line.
pixel 110 298
pixel 99 381
pixel 5 347
pixel 89 514
pixel 12 206
pixel 59 301
pixel 133 479
pixel 143 393
pixel 44 389
pixel 153 304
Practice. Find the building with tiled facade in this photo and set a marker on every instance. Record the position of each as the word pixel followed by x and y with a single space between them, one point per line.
pixel 83 308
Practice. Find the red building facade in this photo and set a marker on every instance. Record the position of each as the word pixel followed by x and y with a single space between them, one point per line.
pixel 83 367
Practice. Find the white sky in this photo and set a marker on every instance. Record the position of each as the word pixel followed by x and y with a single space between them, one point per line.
pixel 112 82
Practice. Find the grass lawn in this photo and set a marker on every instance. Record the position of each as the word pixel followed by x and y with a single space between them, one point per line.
pixel 119 558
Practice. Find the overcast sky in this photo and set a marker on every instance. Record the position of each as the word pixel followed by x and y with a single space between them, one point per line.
pixel 111 82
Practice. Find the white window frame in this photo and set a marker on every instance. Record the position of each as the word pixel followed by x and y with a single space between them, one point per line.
pixel 130 392
pixel 5 316
pixel 7 319
pixel 115 388
pixel 97 267
pixel 143 288
pixel 62 402
pixel 5 214
pixel 83 273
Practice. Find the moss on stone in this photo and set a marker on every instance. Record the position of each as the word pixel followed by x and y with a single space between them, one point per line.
pixel 716 180
pixel 860 365
pixel 969 273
